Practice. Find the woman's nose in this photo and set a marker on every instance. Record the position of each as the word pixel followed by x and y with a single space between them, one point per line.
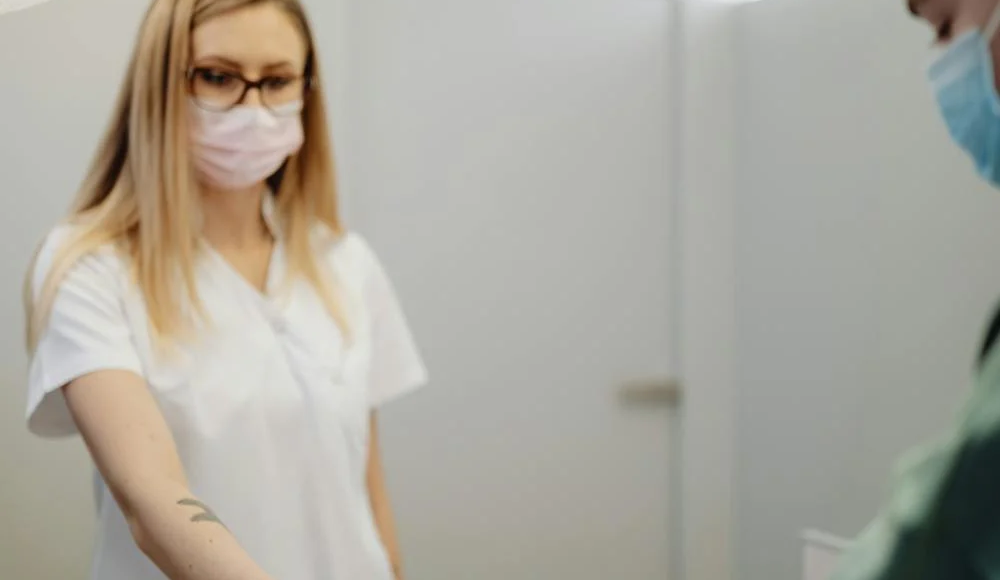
pixel 252 97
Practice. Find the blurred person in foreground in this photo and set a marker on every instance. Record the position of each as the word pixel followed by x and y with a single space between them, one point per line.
pixel 942 521
pixel 207 325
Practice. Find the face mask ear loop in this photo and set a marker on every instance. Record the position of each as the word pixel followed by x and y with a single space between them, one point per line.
pixel 992 25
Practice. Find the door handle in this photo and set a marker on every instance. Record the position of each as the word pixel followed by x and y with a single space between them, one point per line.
pixel 655 392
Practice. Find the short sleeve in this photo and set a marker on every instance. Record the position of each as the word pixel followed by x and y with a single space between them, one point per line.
pixel 396 365
pixel 86 331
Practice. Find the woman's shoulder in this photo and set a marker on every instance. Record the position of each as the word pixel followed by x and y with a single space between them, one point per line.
pixel 348 252
pixel 76 248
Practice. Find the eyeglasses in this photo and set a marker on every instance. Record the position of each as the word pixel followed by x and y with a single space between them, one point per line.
pixel 220 90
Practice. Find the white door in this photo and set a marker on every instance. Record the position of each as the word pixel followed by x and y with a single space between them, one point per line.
pixel 507 158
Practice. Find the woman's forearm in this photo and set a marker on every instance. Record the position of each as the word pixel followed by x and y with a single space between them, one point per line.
pixel 134 450
pixel 185 539
pixel 379 498
pixel 386 524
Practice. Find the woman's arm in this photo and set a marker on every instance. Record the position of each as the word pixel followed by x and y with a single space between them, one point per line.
pixel 381 506
pixel 135 452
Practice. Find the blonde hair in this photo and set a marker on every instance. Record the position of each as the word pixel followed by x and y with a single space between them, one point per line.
pixel 140 192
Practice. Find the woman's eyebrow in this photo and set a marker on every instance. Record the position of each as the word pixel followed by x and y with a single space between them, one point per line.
pixel 279 65
pixel 221 60
pixel 228 62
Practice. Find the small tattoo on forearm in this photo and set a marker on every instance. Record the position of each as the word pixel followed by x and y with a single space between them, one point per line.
pixel 206 515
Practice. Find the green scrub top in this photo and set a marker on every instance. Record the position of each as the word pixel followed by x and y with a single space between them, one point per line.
pixel 942 521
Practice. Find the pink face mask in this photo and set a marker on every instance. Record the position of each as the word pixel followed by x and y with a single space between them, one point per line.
pixel 245 145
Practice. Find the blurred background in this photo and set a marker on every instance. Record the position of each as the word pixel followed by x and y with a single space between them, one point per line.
pixel 689 275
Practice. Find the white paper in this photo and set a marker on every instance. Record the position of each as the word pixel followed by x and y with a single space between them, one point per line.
pixel 820 555
pixel 7 6
pixel 819 563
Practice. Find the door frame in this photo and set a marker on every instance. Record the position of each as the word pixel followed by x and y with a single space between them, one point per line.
pixel 703 168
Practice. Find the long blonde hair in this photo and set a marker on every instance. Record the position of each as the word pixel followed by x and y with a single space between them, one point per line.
pixel 140 192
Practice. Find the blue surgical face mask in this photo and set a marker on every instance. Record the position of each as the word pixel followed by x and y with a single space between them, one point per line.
pixel 964 84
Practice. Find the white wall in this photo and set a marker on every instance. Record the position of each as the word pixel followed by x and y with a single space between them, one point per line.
pixel 866 268
pixel 506 145
pixel 701 179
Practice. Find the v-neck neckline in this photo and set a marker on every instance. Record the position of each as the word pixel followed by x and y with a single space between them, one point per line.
pixel 275 269
pixel 276 259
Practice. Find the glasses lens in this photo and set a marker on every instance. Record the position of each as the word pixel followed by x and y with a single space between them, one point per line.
pixel 280 93
pixel 214 89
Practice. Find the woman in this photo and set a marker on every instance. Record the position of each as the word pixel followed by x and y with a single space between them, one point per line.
pixel 943 521
pixel 206 325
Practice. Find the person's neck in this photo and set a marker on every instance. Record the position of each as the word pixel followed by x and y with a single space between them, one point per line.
pixel 232 218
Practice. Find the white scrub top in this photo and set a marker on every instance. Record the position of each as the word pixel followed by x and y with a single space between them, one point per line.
pixel 269 405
